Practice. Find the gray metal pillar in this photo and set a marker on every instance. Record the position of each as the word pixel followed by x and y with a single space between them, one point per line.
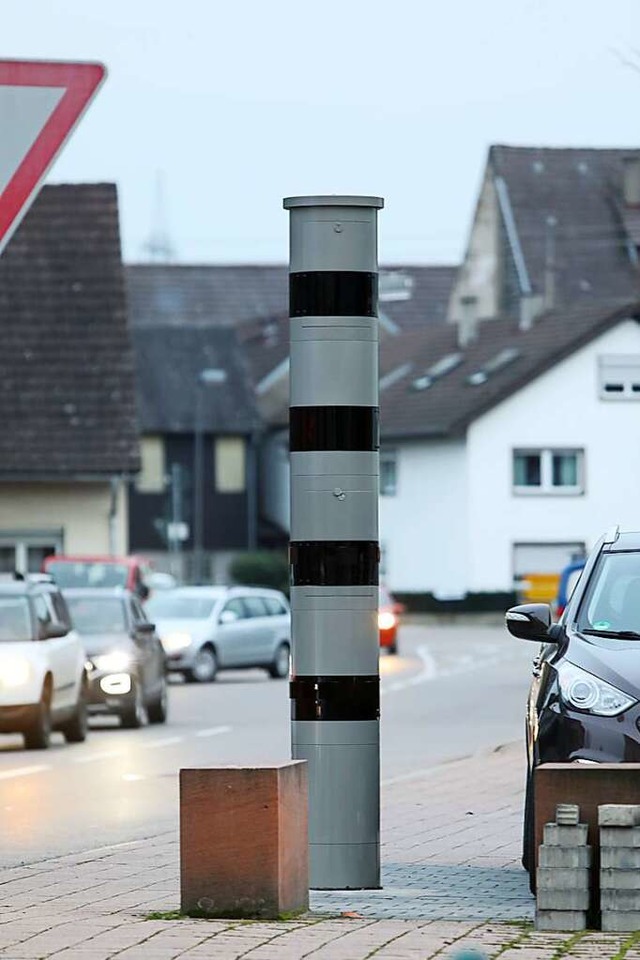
pixel 334 550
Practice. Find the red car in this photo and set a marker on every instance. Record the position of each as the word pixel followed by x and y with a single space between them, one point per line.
pixel 388 619
pixel 91 571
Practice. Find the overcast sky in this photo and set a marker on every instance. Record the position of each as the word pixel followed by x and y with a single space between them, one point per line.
pixel 242 103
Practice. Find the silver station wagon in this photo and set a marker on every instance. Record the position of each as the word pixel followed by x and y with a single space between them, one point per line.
pixel 207 629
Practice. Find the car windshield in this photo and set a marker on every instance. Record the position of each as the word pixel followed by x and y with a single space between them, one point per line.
pixel 15 622
pixel 172 607
pixel 612 601
pixel 97 614
pixel 87 573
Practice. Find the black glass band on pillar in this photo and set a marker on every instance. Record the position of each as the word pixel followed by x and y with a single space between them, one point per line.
pixel 333 293
pixel 334 428
pixel 334 563
pixel 335 698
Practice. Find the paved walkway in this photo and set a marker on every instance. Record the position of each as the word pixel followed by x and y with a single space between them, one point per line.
pixel 452 881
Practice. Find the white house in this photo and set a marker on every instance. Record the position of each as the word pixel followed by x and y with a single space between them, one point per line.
pixel 529 452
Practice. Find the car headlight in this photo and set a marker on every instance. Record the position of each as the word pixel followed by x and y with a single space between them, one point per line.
pixel 173 642
pixel 586 692
pixel 14 672
pixel 115 662
pixel 386 620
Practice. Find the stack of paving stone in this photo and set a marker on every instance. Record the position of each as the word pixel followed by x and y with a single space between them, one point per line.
pixel 619 866
pixel 563 872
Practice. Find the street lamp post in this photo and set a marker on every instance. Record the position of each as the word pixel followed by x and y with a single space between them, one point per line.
pixel 210 376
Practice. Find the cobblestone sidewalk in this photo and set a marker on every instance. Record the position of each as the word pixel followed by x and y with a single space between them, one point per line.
pixel 452 881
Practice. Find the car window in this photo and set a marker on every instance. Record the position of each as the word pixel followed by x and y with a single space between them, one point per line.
pixel 256 606
pixel 60 609
pixel 612 600
pixel 274 606
pixel 94 615
pixel 15 621
pixel 42 612
pixel 236 606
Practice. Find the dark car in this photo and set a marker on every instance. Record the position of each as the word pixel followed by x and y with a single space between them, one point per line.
pixel 584 702
pixel 126 661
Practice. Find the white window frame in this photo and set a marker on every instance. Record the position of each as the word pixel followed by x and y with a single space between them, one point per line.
pixel 390 455
pixel 547 487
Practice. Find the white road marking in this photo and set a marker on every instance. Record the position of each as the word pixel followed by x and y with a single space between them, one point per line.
pixel 22 771
pixel 167 742
pixel 428 672
pixel 213 731
pixel 105 755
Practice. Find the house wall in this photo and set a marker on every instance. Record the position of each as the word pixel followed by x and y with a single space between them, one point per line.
pixel 479 273
pixel 79 510
pixel 423 528
pixel 274 479
pixel 225 519
pixel 560 409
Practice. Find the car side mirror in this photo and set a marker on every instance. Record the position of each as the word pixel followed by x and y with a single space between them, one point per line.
pixel 54 630
pixel 145 628
pixel 530 621
pixel 228 616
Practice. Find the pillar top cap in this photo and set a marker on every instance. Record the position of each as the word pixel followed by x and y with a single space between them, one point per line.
pixel 333 200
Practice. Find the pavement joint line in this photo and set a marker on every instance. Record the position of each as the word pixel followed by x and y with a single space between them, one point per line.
pixel 398 936
pixel 339 936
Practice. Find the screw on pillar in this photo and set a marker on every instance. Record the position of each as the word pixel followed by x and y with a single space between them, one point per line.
pixel 334 550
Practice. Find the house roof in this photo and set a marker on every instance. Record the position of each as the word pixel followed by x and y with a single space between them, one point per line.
pixel 421 401
pixel 425 388
pixel 67 402
pixel 169 361
pixel 581 189
pixel 219 295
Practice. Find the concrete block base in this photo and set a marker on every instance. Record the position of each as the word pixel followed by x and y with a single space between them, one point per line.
pixel 620 921
pixel 244 841
pixel 561 920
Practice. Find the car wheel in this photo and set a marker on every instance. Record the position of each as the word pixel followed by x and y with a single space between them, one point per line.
pixel 158 709
pixel 133 715
pixel 205 666
pixel 75 730
pixel 393 649
pixel 279 668
pixel 38 735
pixel 528 834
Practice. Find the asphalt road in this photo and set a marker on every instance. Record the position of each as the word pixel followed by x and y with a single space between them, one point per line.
pixel 451 692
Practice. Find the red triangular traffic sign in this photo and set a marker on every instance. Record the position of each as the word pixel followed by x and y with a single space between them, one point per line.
pixel 40 104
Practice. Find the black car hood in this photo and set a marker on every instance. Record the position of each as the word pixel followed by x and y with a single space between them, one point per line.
pixel 615 661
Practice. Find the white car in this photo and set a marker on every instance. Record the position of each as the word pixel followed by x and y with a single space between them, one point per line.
pixel 206 629
pixel 43 684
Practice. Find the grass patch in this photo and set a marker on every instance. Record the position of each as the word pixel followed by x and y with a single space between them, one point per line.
pixel 630 942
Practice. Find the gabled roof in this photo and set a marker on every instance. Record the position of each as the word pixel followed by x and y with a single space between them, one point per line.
pixel 67 403
pixel 500 362
pixel 219 295
pixel 582 190
pixel 169 360
pixel 425 385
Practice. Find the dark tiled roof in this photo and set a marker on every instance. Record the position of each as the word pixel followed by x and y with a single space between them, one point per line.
pixel 168 362
pixel 67 402
pixel 582 190
pixel 233 295
pixel 449 404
